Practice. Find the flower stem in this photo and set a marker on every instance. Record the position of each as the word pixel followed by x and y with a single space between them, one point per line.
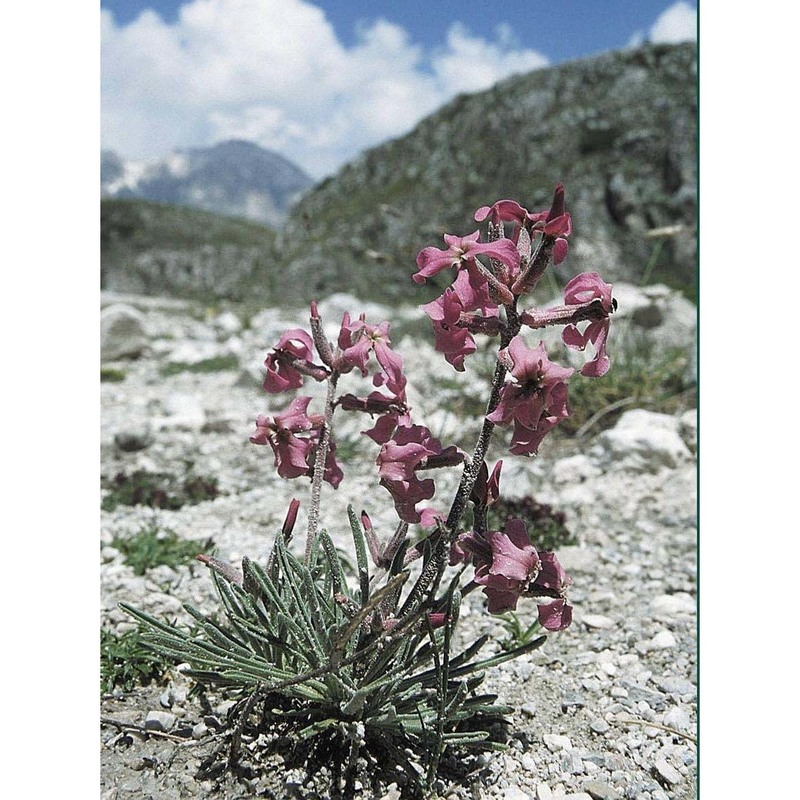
pixel 471 469
pixel 319 468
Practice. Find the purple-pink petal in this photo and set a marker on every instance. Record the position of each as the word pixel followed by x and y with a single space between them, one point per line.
pixel 555 616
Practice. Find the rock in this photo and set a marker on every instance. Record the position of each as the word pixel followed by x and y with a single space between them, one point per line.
pixel 664 771
pixel 663 640
pixel 656 315
pixel 678 718
pixel 134 439
pixel 227 323
pixel 597 621
pixel 599 725
pixel 200 731
pixel 598 790
pixel 574 468
pixel 543 792
pixel 515 793
pixel 555 742
pixel 123 332
pixel 159 721
pixel 670 605
pixel 642 441
pixel 680 686
pixel 572 763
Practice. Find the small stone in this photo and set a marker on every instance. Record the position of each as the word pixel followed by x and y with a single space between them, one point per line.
pixel 200 730
pixel 577 796
pixel 529 709
pixel 671 604
pixel 179 694
pixel 678 718
pixel 528 762
pixel 679 686
pixel 572 700
pixel 572 763
pixel 599 725
pixel 543 792
pixel 663 640
pixel 159 721
pixel 601 791
pixel 664 770
pixel 597 621
pixel 166 699
pixel 555 742
pixel 515 793
pixel 133 440
pixel 392 794
pixel 223 709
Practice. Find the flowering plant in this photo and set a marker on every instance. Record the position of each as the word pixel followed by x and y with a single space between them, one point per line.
pixel 371 667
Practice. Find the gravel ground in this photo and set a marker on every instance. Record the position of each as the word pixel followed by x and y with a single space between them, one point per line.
pixel 606 709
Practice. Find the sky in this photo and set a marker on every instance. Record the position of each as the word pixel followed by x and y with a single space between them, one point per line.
pixel 320 81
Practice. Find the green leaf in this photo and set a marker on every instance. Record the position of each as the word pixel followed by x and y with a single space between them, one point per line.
pixel 361 554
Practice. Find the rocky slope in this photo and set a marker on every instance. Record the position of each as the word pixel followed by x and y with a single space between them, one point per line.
pixel 158 249
pixel 605 710
pixel 619 130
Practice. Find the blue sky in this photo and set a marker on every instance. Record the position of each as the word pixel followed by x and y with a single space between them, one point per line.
pixel 320 80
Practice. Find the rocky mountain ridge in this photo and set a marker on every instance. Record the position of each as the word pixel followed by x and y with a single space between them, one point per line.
pixel 619 130
pixel 234 178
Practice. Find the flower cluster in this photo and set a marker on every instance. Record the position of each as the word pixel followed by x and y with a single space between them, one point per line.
pixel 529 392
pixel 508 566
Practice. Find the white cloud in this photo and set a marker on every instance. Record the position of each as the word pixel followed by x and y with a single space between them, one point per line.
pixel 677 24
pixel 274 71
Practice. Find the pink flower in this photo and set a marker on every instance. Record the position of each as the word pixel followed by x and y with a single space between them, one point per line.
pixel 281 376
pixel 294 455
pixel 469 292
pixel 357 340
pixel 585 288
pixel 552 581
pixel 462 251
pixel 555 616
pixel 554 222
pixel 290 519
pixel 412 448
pixel 503 211
pixel 558 223
pixel 536 398
pixel 486 489
pixel 505 564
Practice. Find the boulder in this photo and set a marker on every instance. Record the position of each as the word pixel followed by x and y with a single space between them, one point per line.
pixel 642 441
pixel 123 332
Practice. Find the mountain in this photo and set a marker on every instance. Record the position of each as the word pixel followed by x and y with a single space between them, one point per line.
pixel 235 178
pixel 619 130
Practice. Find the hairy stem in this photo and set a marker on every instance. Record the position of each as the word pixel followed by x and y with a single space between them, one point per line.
pixel 471 470
pixel 319 468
